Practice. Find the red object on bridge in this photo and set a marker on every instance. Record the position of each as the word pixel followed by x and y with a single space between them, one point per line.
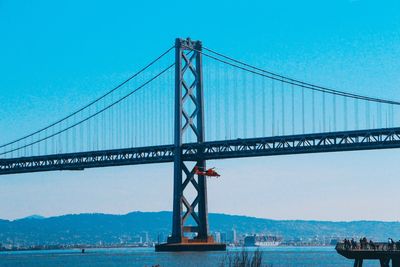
pixel 210 172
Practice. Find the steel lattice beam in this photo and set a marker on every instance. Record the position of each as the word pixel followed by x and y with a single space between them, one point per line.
pixel 238 148
pixel 94 159
pixel 297 144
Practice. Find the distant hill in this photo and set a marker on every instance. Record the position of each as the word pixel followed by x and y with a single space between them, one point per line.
pixel 34 217
pixel 96 228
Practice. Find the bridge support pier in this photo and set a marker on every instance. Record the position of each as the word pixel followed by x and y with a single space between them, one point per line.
pixel 384 262
pixel 358 263
pixel 189 226
pixel 395 262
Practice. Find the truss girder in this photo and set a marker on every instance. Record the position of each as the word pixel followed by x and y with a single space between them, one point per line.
pixel 253 147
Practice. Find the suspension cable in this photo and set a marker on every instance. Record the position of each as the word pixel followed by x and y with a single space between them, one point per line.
pixel 94 114
pixel 94 101
pixel 274 76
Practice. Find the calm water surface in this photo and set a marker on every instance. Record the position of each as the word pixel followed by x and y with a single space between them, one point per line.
pixel 135 257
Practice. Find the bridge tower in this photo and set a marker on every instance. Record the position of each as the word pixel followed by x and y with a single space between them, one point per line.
pixel 189 87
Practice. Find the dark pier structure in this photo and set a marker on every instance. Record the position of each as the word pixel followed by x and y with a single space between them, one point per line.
pixel 384 252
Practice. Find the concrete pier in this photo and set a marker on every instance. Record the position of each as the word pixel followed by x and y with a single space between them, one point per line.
pixel 190 247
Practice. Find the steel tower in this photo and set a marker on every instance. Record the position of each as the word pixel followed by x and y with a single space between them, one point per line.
pixel 189 122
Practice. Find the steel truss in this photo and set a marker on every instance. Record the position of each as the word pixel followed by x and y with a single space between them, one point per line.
pixel 296 144
pixel 238 148
pixel 93 159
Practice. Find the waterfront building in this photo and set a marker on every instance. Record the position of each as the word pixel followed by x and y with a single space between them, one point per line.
pixel 231 237
pixel 145 237
pixel 217 237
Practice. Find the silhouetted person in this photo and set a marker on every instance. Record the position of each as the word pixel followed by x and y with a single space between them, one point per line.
pixel 353 244
pixel 390 243
pixel 346 244
pixel 363 243
pixel 372 245
pixel 398 245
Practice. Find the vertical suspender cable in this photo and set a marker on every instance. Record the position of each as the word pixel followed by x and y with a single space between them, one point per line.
pixel 323 112
pixel 133 117
pixel 121 122
pixel 146 134
pixel 386 117
pixel 227 87
pixel 273 107
pixel 154 112
pixel 45 144
pixel 303 110
pixel 368 116
pixel 253 97
pixel 111 122
pixel 32 148
pixel 134 133
pixel 264 100
pixel 334 112
pixel 209 92
pixel 345 113
pixel 245 105
pixel 81 141
pixel 313 110
pixel 90 130
pixel 12 153
pixel 163 110
pixel 356 114
pixel 235 103
pixel 103 128
pixel 283 107
pixel 141 116
pixel 159 113
pixel 379 124
pixel 128 113
pixel 392 110
pixel 293 123
pixel 217 100
pixel 149 120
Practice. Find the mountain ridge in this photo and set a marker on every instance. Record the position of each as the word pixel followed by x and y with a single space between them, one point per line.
pixel 95 228
pixel 37 216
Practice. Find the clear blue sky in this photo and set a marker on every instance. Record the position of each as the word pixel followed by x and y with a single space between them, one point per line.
pixel 55 56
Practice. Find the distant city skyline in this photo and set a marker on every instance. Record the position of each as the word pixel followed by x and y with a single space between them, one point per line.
pixel 57 57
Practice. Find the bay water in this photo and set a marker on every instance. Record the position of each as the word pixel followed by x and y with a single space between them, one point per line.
pixel 139 257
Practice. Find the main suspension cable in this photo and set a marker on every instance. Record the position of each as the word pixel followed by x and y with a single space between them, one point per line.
pixel 271 75
pixel 94 101
pixel 94 114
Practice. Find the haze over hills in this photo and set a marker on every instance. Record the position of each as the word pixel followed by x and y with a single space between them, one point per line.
pixel 117 229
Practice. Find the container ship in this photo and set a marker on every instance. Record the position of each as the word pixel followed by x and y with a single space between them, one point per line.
pixel 262 241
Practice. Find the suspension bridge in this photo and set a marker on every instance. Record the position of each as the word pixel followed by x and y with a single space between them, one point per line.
pixel 191 104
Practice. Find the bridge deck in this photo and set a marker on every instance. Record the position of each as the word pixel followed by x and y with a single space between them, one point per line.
pixel 252 147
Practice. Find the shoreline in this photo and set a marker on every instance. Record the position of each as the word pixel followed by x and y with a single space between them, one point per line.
pixel 80 247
